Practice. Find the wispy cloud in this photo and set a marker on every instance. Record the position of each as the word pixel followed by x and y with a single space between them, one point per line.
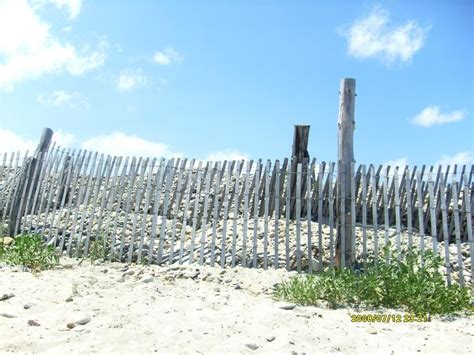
pixel 167 56
pixel 400 162
pixel 460 158
pixel 72 6
pixel 227 154
pixel 372 36
pixel 119 143
pixel 64 139
pixel 131 79
pixel 432 115
pixel 73 100
pixel 31 50
pixel 10 142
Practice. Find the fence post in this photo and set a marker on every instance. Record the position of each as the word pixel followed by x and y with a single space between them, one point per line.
pixel 28 181
pixel 299 155
pixel 345 157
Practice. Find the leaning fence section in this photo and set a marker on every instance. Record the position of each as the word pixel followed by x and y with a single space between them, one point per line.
pixel 249 213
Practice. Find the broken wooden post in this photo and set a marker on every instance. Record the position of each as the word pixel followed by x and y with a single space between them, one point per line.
pixel 299 155
pixel 28 182
pixel 345 157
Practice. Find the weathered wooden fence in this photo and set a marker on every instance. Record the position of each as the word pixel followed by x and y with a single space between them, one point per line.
pixel 236 212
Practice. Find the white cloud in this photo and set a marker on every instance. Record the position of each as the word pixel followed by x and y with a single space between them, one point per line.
pixel 74 100
pixel 167 56
pixel 117 144
pixel 371 36
pixel 120 143
pixel 129 80
pixel 64 139
pixel 72 6
pixel 432 115
pixel 10 142
pixel 460 158
pixel 31 50
pixel 226 155
pixel 400 162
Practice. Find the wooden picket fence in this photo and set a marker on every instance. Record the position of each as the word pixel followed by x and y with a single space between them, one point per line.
pixel 243 210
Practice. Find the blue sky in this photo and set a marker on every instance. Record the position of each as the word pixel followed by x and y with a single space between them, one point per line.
pixel 229 79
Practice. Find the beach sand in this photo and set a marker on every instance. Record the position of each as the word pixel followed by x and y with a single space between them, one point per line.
pixel 132 309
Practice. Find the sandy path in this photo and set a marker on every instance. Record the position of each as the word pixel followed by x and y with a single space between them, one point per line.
pixel 191 310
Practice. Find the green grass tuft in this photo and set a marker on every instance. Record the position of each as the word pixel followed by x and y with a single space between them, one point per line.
pixel 400 285
pixel 28 250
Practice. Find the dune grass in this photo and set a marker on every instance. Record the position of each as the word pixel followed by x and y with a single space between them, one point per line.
pixel 400 285
pixel 28 250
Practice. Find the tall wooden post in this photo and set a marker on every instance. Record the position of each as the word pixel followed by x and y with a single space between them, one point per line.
pixel 28 182
pixel 345 157
pixel 299 155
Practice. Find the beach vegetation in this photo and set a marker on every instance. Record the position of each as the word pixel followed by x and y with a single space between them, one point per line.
pixel 397 284
pixel 29 251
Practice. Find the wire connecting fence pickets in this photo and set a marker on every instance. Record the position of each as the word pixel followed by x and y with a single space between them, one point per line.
pixel 235 212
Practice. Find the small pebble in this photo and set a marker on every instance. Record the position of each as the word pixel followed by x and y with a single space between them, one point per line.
pixel 270 339
pixel 287 307
pixel 146 279
pixel 28 305
pixel 371 330
pixel 82 319
pixel 8 315
pixel 252 346
pixel 6 296
pixel 33 323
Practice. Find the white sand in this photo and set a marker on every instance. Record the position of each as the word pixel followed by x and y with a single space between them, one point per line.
pixel 174 313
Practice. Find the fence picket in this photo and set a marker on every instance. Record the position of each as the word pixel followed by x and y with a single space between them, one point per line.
pixel 467 208
pixel 79 198
pixel 331 213
pixel 320 214
pixel 254 211
pixel 187 192
pixel 266 213
pixel 235 214
pixel 364 215
pixel 457 232
pixel 432 207
pixel 444 217
pixel 287 220
pixel 121 185
pixel 138 200
pixel 226 212
pixel 176 211
pixel 199 179
pixel 373 187
pixel 309 191
pixel 246 214
pixel 169 182
pixel 276 232
pixel 215 216
pixel 397 214
pixel 409 209
pixel 421 225
pixel 79 163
